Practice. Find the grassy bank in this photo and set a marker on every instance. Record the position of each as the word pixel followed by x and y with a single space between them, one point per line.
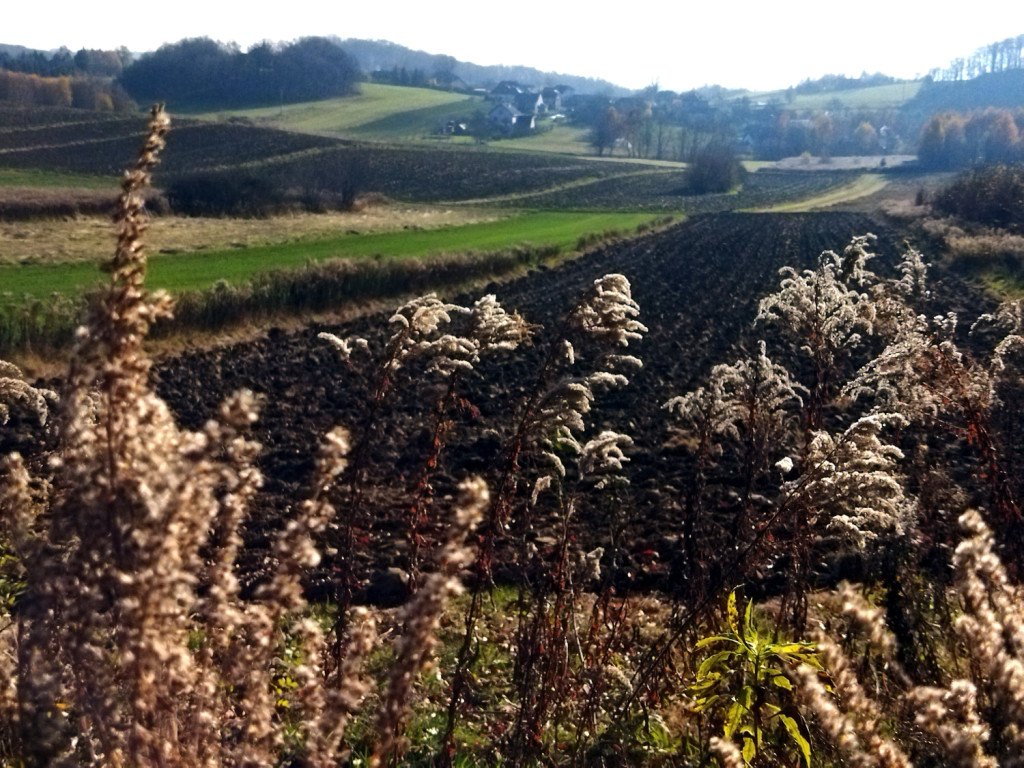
pixel 890 96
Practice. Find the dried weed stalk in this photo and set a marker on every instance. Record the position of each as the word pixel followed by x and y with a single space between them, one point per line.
pixel 826 313
pixel 16 392
pixel 551 422
pixel 420 619
pixel 132 645
pixel 449 340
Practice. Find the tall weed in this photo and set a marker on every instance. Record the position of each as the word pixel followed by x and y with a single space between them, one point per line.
pixel 127 639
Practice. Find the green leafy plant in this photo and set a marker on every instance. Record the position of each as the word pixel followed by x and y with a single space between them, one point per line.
pixel 744 687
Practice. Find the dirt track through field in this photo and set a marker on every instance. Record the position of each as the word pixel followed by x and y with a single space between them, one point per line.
pixel 697 285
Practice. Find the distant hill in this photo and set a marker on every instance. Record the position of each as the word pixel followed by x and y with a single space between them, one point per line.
pixel 374 55
pixel 13 50
pixel 995 89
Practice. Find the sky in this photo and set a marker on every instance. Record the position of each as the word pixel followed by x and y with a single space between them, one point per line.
pixel 678 44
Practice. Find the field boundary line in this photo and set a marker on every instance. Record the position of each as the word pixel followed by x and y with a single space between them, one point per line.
pixel 548 190
pixel 271 160
pixel 64 145
pixel 50 126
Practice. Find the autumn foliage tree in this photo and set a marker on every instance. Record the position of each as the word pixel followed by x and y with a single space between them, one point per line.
pixel 81 92
pixel 954 140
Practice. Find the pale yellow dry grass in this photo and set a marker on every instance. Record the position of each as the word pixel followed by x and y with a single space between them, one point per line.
pixel 843 163
pixel 865 185
pixel 88 238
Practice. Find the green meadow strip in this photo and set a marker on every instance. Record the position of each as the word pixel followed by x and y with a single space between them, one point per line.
pixel 195 271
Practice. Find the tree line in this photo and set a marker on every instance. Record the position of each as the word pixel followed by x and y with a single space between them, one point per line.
pixel 667 126
pixel 956 140
pixel 1001 56
pixel 81 92
pixel 654 124
pixel 831 82
pixel 86 79
pixel 203 72
pixel 771 133
pixel 63 63
pixel 415 78
pixel 196 71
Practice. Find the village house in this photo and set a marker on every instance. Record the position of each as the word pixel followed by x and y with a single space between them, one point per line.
pixel 516 108
pixel 506 92
pixel 509 120
pixel 555 97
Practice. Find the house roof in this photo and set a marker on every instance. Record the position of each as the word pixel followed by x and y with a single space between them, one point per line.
pixel 528 102
pixel 507 87
pixel 505 108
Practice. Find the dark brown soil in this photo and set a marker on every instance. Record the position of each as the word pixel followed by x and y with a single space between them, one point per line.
pixel 697 285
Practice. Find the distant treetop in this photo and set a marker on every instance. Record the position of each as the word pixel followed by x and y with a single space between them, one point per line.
pixel 202 72
pixel 1000 56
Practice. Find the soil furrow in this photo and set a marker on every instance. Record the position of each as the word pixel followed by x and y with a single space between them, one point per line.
pixel 697 284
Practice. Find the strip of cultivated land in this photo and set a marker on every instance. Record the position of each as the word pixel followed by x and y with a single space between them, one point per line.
pixel 232 270
pixel 227 152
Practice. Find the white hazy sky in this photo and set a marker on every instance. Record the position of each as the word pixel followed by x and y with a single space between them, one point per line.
pixel 680 44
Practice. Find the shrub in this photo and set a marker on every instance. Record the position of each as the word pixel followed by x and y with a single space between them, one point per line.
pixel 991 195
pixel 714 169
pixel 225 194
pixel 743 687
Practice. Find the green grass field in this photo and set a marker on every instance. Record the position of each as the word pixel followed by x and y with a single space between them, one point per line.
pixel 560 138
pixel 51 179
pixel 199 270
pixel 874 97
pixel 380 111
pixel 414 124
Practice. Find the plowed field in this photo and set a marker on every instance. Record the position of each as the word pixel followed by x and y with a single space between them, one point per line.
pixel 697 285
